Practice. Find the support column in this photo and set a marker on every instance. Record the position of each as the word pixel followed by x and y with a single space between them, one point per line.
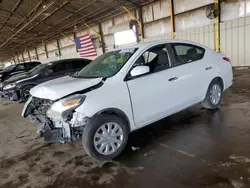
pixel 58 47
pixel 29 55
pixel 74 41
pixel 171 2
pixel 14 59
pixel 46 51
pixel 217 26
pixel 102 38
pixel 18 60
pixel 37 57
pixel 142 23
pixel 23 58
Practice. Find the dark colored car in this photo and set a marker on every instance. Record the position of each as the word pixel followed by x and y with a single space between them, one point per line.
pixel 18 87
pixel 17 69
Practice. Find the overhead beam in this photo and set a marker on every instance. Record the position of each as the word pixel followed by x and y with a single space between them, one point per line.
pixel 54 35
pixel 54 11
pixel 67 17
pixel 28 22
pixel 10 11
pixel 99 15
pixel 80 20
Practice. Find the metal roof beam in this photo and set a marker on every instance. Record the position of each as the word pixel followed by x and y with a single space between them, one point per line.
pixel 28 22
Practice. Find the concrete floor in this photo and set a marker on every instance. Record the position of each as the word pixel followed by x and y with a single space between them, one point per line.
pixel 194 148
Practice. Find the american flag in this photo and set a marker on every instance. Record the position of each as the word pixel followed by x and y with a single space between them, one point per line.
pixel 85 46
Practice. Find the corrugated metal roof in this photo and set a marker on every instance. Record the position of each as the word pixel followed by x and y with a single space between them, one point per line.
pixel 26 23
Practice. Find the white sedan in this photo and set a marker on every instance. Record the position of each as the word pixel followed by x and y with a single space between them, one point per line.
pixel 125 90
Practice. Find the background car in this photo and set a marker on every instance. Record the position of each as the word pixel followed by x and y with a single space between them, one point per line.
pixel 17 69
pixel 18 87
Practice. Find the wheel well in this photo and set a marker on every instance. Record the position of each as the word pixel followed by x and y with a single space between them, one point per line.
pixel 220 81
pixel 116 112
pixel 28 85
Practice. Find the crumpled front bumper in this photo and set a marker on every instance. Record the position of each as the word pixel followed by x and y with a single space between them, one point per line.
pixel 55 129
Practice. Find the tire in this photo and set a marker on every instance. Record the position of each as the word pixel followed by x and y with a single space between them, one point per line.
pixel 211 102
pixel 24 92
pixel 93 130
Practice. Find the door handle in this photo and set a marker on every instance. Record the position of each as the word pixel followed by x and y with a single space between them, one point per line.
pixel 172 79
pixel 208 68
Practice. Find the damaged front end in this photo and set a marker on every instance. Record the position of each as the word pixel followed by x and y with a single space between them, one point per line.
pixel 58 121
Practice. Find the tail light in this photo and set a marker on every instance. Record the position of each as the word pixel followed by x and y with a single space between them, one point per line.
pixel 227 59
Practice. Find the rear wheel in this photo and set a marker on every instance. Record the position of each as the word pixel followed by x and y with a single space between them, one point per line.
pixel 213 96
pixel 25 92
pixel 105 137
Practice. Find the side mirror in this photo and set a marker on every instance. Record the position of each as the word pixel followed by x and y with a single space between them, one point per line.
pixel 139 70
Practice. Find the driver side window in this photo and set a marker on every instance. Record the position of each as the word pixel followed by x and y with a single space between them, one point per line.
pixel 156 58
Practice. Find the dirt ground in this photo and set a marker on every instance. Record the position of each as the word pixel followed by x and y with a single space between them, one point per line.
pixel 194 148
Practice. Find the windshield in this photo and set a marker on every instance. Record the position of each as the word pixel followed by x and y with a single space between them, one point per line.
pixel 37 69
pixel 106 65
pixel 9 68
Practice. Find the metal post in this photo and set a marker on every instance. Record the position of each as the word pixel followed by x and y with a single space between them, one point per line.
pixel 23 58
pixel 29 55
pixel 142 24
pixel 133 16
pixel 46 51
pixel 14 59
pixel 37 57
pixel 58 47
pixel 102 38
pixel 171 2
pixel 217 26
pixel 74 38
pixel 18 60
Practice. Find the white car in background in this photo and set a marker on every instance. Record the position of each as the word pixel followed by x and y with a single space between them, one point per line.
pixel 125 90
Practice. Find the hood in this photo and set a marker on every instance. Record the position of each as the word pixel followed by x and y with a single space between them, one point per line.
pixel 58 88
pixel 17 78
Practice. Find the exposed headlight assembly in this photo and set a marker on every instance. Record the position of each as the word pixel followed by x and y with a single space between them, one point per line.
pixel 9 86
pixel 63 106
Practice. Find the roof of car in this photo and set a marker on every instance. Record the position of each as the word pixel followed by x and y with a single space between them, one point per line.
pixel 155 42
pixel 69 59
pixel 28 62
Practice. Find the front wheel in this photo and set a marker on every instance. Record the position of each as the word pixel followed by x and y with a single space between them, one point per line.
pixel 213 96
pixel 25 92
pixel 105 137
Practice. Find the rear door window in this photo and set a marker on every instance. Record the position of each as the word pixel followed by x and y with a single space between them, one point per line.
pixel 20 67
pixel 78 64
pixel 29 66
pixel 68 65
pixel 58 67
pixel 187 53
